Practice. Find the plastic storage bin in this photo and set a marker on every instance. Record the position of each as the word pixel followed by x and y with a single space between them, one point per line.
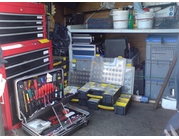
pixel 152 88
pixel 157 69
pixel 79 72
pixel 122 104
pixel 128 86
pixel 161 46
pixel 134 60
pixel 110 95
pixel 108 70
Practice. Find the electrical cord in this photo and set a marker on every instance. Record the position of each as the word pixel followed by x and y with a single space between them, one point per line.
pixel 93 14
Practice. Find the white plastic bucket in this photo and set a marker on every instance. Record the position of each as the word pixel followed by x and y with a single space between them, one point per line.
pixel 145 20
pixel 120 18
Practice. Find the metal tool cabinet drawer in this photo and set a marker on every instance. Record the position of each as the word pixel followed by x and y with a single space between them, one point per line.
pixel 19 58
pixel 15 30
pixel 22 63
pixel 21 22
pixel 26 66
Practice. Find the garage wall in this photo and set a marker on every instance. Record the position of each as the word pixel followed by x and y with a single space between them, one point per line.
pixel 59 15
pixel 90 6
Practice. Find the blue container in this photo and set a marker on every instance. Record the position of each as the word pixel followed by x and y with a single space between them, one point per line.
pixel 162 38
pixel 144 99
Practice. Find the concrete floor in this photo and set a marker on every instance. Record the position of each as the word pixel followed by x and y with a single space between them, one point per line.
pixel 140 120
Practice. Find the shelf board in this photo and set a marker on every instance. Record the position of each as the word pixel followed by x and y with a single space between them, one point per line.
pixel 84 29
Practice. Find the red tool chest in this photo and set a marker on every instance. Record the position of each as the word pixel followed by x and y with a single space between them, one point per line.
pixel 25 47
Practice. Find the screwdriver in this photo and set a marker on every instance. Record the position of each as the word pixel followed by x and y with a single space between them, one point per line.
pixel 27 95
pixel 36 89
pixel 60 87
pixel 25 103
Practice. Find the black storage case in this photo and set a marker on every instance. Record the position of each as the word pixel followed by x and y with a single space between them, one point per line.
pixel 83 102
pixel 115 47
pixel 110 99
pixel 43 108
pixel 93 103
pixel 122 110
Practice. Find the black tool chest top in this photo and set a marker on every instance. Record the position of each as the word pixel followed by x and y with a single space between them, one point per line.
pixel 20 27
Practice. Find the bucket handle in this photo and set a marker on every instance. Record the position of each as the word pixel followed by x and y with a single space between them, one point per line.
pixel 111 12
pixel 150 17
pixel 153 15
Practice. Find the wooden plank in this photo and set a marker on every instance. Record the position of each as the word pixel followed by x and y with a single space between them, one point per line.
pixel 165 81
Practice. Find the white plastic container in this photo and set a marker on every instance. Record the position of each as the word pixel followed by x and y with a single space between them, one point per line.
pixel 120 18
pixel 145 20
pixel 39 125
pixel 169 103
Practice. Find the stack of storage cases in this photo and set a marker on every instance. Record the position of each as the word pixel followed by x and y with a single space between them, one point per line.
pixel 160 51
pixel 85 45
pixel 25 47
pixel 83 50
pixel 106 80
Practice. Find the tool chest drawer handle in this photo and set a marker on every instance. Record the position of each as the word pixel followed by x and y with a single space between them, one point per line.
pixel 2 98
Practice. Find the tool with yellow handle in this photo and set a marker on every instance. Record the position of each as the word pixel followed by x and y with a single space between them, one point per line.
pixel 25 103
pixel 27 97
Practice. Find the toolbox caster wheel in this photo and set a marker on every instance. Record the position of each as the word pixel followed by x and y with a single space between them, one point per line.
pixel 13 132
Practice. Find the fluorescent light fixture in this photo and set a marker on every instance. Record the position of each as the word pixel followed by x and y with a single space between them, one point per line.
pixel 11 47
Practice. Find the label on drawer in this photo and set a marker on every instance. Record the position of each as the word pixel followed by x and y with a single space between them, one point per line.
pixel 39 17
pixel 39 28
pixel 40 35
pixel 45 52
pixel 38 22
pixel 46 60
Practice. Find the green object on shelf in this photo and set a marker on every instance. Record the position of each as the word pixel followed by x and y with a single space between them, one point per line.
pixel 131 20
